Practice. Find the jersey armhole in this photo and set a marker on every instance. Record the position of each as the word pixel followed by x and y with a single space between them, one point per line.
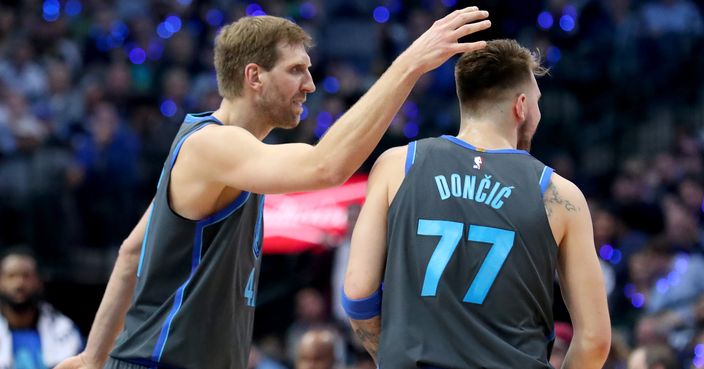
pixel 410 156
pixel 545 179
pixel 177 149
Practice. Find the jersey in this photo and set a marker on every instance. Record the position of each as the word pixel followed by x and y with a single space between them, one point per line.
pixel 193 306
pixel 470 261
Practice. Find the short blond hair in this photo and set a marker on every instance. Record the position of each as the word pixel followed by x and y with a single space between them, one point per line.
pixel 252 40
pixel 486 74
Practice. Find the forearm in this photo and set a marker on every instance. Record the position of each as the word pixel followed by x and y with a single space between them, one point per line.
pixel 586 354
pixel 110 317
pixel 353 137
pixel 368 332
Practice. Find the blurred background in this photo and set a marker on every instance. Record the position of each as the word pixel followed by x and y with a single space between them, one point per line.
pixel 92 93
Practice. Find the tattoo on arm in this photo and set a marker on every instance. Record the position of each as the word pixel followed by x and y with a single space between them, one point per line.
pixel 368 332
pixel 552 198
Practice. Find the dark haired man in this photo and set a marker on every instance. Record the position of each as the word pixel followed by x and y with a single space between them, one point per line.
pixel 466 232
pixel 32 333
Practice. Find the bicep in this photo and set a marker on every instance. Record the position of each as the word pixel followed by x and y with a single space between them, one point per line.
pixel 279 168
pixel 234 158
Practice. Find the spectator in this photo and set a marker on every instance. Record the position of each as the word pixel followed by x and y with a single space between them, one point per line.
pixel 32 333
pixel 310 314
pixel 316 350
pixel 652 357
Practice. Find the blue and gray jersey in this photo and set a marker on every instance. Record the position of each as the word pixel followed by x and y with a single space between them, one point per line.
pixel 470 261
pixel 193 306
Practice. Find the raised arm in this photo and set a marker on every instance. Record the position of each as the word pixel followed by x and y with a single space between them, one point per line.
pixel 110 317
pixel 581 278
pixel 237 159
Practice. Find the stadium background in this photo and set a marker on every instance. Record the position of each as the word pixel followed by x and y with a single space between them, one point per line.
pixel 92 93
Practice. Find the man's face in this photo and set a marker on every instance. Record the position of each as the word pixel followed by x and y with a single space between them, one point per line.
pixel 318 356
pixel 285 86
pixel 528 128
pixel 19 282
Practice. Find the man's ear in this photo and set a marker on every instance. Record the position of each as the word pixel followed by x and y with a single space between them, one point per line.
pixel 252 76
pixel 519 108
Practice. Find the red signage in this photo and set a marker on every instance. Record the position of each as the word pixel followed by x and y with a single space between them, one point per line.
pixel 297 222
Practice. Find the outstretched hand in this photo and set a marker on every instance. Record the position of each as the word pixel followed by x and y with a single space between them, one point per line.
pixel 440 41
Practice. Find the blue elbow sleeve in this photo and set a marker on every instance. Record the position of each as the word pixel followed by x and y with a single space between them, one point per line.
pixel 362 309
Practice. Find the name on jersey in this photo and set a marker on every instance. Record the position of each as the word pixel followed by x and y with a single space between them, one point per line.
pixel 482 190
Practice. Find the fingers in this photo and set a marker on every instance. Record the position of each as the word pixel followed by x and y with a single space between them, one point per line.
pixel 468 46
pixel 455 14
pixel 468 16
pixel 470 28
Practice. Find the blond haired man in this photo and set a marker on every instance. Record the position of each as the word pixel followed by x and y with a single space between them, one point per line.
pixel 183 289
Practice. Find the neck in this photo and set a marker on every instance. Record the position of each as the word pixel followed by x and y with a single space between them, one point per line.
pixel 490 133
pixel 241 112
pixel 24 319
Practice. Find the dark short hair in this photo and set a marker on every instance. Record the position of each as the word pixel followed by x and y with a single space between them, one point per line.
pixel 18 250
pixel 485 75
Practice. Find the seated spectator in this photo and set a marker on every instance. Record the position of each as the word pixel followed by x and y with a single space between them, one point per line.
pixel 316 350
pixel 652 357
pixel 33 335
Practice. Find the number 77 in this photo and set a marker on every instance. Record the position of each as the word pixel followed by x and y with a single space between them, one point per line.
pixel 450 235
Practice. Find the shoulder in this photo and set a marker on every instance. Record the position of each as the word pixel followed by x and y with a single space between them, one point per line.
pixel 390 160
pixel 209 133
pixel 564 197
pixel 389 171
pixel 393 154
pixel 214 138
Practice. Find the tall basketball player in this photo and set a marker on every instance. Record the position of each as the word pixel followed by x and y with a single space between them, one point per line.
pixel 183 289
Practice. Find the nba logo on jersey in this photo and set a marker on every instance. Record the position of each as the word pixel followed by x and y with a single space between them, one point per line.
pixel 478 162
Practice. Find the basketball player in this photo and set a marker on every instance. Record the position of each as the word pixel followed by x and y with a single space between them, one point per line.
pixel 184 286
pixel 466 233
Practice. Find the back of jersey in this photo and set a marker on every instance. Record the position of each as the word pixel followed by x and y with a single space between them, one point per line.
pixel 471 261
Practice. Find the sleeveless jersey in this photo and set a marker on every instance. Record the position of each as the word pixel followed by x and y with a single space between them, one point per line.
pixel 193 306
pixel 470 261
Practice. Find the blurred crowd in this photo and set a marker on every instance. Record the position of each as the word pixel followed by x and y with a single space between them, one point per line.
pixel 92 93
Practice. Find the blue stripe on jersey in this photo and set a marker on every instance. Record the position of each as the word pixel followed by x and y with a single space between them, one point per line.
pixel 467 145
pixel 545 179
pixel 146 231
pixel 161 177
pixel 195 261
pixel 226 212
pixel 256 249
pixel 144 241
pixel 410 155
pixel 179 144
pixel 199 117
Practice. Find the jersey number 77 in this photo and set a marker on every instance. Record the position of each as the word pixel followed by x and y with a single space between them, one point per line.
pixel 450 233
